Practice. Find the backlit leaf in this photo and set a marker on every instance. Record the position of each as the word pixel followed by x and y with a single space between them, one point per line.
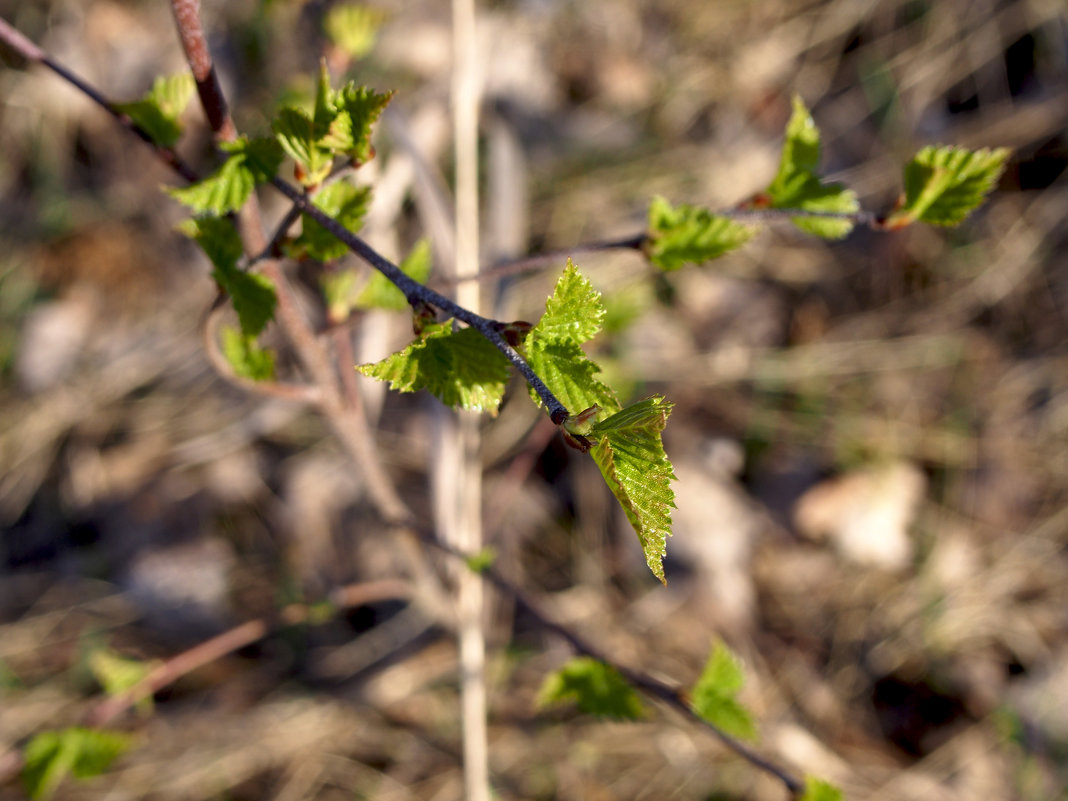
pixel 796 185
pixel 247 359
pixel 630 455
pixel 157 112
pixel 251 162
pixel 596 688
pixel 346 203
pixel 358 109
pixel 944 184
pixel 461 368
pixel 353 27
pixel 299 135
pixel 819 790
pixel 683 235
pixel 53 755
pixel 714 696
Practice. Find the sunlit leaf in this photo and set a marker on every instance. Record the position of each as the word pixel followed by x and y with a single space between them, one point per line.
pixel 819 790
pixel 630 454
pixel 157 112
pixel 299 135
pixel 944 184
pixel 796 185
pixel 53 755
pixel 714 696
pixel 347 204
pixel 247 359
pixel 596 688
pixel 251 162
pixel 461 368
pixel 358 109
pixel 683 235
pixel 573 315
pixel 217 237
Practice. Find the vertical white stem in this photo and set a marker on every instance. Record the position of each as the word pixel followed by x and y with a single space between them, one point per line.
pixel 467 531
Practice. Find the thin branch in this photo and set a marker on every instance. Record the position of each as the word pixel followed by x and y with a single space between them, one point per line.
pixel 191 33
pixel 669 695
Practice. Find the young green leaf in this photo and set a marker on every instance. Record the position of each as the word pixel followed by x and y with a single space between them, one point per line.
pixel 461 368
pixel 115 673
pixel 353 27
pixel 630 454
pixel 573 315
pixel 689 235
pixel 346 203
pixel 358 109
pixel 247 358
pixel 253 295
pixel 944 184
pixel 796 186
pixel 595 687
pixel 299 135
pixel 380 293
pixel 251 161
pixel 819 790
pixel 714 695
pixel 157 112
pixel 52 755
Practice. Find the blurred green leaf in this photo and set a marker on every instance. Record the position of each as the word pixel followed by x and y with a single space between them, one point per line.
pixel 353 27
pixel 53 755
pixel 347 204
pixel 596 688
pixel 157 112
pixel 714 694
pixel 246 357
pixel 689 235
pixel 945 184
pixel 819 790
pixel 217 237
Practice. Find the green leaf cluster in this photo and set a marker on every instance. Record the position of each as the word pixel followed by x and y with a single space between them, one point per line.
pixel 53 755
pixel 338 125
pixel 630 454
pixel 797 186
pixel 573 315
pixel 596 688
pixel 944 184
pixel 461 368
pixel 714 695
pixel 158 110
pixel 689 235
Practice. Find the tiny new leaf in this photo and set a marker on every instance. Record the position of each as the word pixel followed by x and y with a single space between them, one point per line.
pixel 52 755
pixel 573 315
pixel 116 674
pixel 819 790
pixel 157 112
pixel 630 455
pixel 595 687
pixel 461 368
pixel 353 27
pixel 299 135
pixel 346 203
pixel 251 161
pixel 380 293
pixel 944 184
pixel 247 358
pixel 714 696
pixel 796 186
pixel 358 109
pixel 689 235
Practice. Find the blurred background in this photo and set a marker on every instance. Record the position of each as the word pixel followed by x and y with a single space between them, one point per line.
pixel 870 435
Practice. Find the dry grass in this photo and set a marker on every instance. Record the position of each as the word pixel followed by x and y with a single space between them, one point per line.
pixel 146 504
